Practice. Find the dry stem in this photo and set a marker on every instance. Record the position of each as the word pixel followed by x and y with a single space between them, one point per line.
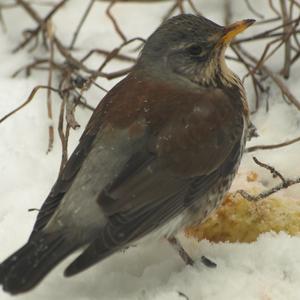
pixel 285 183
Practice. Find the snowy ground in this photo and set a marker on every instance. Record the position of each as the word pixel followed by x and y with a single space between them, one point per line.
pixel 267 269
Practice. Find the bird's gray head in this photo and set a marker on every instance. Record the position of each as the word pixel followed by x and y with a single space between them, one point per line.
pixel 191 46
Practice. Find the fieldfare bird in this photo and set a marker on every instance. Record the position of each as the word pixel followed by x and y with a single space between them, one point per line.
pixel 158 154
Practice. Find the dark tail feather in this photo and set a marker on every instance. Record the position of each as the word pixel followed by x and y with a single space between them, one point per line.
pixel 95 252
pixel 29 265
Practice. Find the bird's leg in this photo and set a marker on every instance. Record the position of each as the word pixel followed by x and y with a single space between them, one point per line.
pixel 179 249
pixel 185 256
pixel 207 262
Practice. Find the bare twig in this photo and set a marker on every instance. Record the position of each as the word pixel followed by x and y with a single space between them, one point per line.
pixel 285 183
pixel 284 89
pixel 271 169
pixel 265 55
pixel 49 98
pixel 76 33
pixel 287 31
pixel 266 21
pixel 38 20
pixel 32 13
pixel 34 65
pixel 116 51
pixel 180 6
pixel 273 146
pixel 28 100
pixel 75 63
pixel 228 11
pixel 62 135
pixel 254 11
pixel 2 22
pixel 255 83
pixel 121 57
pixel 295 2
pixel 193 7
pixel 115 23
pixel 274 9
pixel 170 12
pixel 43 3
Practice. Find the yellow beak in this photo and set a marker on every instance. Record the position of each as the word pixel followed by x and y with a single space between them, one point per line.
pixel 232 30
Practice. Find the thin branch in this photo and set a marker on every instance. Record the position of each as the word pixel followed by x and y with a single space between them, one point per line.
pixel 287 31
pixel 193 7
pixel 255 83
pixel 78 64
pixel 38 20
pixel 180 6
pixel 28 100
pixel 285 183
pixel 228 12
pixel 121 57
pixel 274 9
pixel 63 139
pixel 113 20
pixel 271 169
pixel 85 15
pixel 284 89
pixel 273 146
pixel 170 12
pixel 2 21
pixel 30 11
pixel 49 98
pixel 251 8
pixel 33 65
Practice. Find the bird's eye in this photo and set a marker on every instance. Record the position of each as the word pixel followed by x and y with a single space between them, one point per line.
pixel 195 50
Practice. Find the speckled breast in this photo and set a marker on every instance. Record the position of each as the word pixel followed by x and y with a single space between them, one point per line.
pixel 211 198
pixel 214 196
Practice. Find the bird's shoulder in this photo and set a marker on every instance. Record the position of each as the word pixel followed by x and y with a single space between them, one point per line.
pixel 159 102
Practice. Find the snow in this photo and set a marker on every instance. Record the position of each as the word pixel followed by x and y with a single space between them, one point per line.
pixel 266 269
